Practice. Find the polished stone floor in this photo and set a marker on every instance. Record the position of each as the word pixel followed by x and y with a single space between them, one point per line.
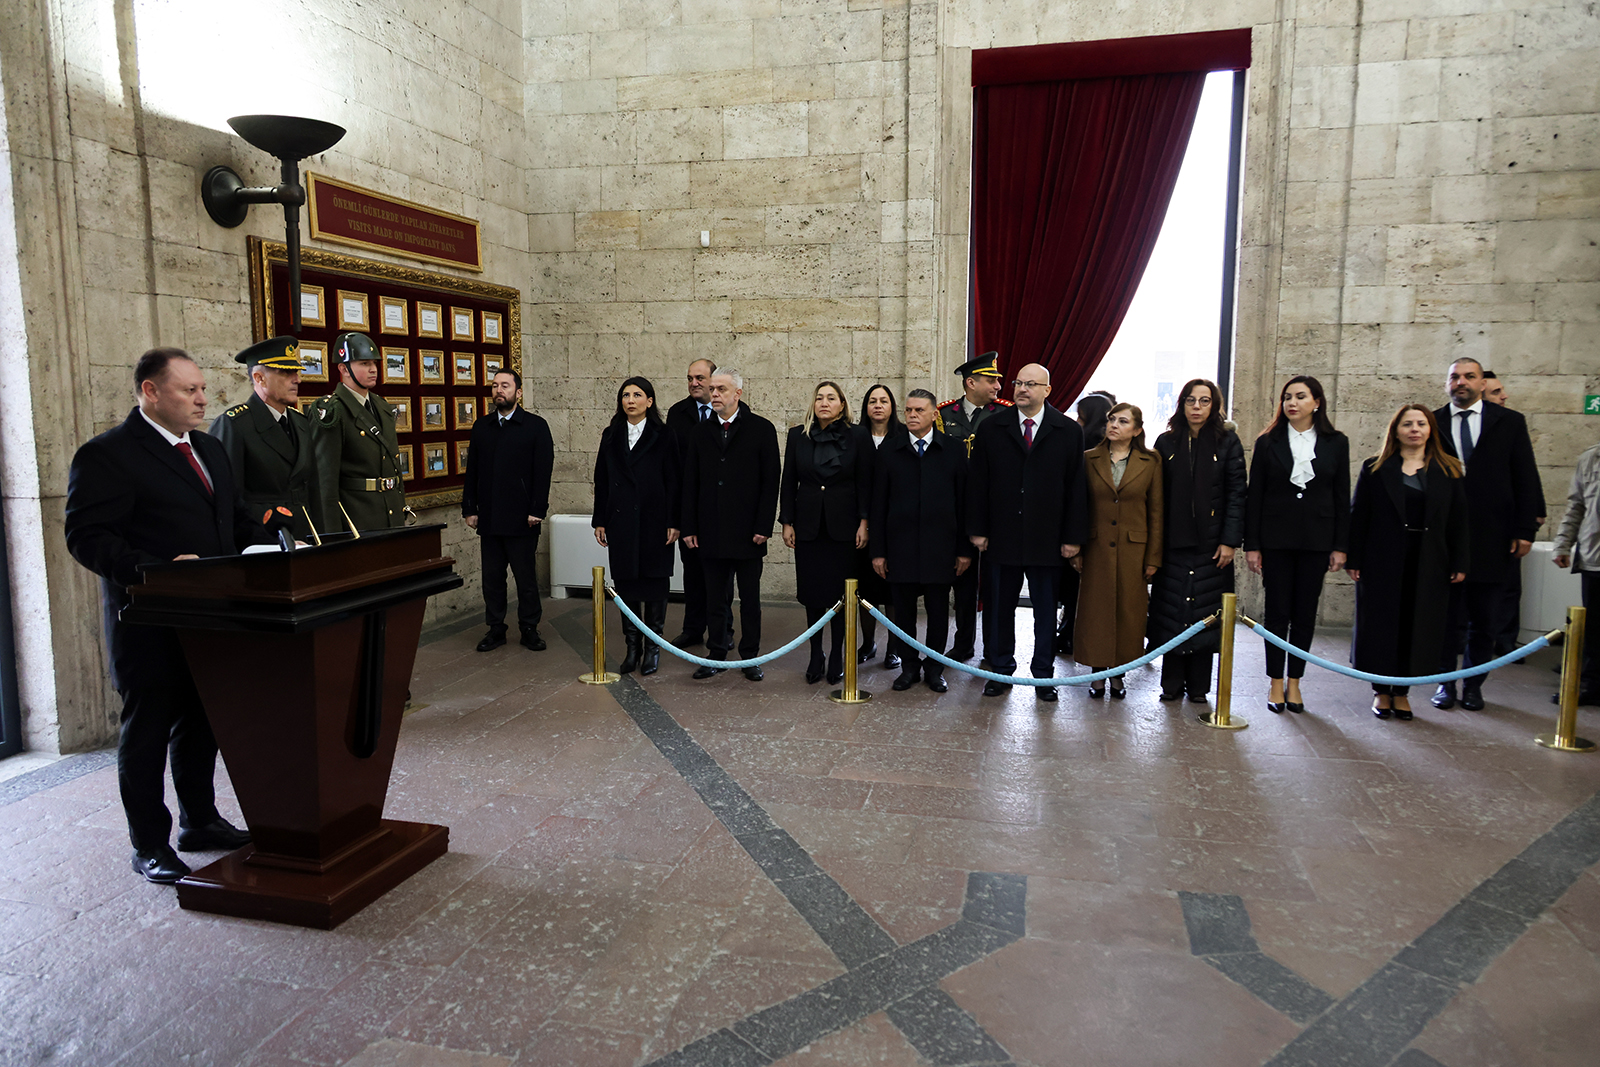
pixel 728 872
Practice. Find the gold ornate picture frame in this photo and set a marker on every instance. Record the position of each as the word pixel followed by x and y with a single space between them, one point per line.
pixel 396 366
pixel 430 320
pixel 392 315
pixel 313 362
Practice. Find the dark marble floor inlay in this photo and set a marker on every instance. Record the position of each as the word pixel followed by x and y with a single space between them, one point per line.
pixel 58 773
pixel 1219 933
pixel 882 975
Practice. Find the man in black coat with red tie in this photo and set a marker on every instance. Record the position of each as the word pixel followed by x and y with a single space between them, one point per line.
pixel 505 496
pixel 730 499
pixel 1028 508
pixel 1504 502
pixel 918 530
pixel 151 490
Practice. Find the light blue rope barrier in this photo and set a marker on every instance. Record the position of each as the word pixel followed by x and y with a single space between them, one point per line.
pixel 729 664
pixel 1013 679
pixel 1386 679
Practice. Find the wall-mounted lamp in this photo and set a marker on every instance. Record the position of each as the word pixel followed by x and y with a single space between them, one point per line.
pixel 289 139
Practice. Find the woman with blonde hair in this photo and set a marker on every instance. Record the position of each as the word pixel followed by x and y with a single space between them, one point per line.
pixel 1408 544
pixel 1123 549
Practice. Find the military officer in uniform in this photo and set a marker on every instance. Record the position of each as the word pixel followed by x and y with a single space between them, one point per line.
pixel 269 441
pixel 960 418
pixel 358 456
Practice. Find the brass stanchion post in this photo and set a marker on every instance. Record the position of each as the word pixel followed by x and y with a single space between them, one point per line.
pixel 850 694
pixel 1566 737
pixel 599 676
pixel 1220 719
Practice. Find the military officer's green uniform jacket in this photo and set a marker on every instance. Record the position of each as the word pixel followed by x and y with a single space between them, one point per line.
pixel 953 416
pixel 357 453
pixel 274 469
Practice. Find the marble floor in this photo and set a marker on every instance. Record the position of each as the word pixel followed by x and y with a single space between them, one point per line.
pixel 666 871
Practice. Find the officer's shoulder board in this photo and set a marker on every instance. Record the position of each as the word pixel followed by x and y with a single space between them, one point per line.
pixel 1003 402
pixel 237 410
pixel 951 403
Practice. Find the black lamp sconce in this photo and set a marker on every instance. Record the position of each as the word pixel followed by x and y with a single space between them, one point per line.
pixel 289 140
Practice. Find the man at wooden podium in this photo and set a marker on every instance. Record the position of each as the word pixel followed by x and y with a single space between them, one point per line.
pixel 150 490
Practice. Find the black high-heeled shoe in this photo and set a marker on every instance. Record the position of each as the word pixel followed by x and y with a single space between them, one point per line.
pixel 867 653
pixel 835 669
pixel 1382 713
pixel 814 669
pixel 1276 707
pixel 1097 690
pixel 1295 706
pixel 1119 692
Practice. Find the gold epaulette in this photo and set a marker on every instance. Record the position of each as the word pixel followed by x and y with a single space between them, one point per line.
pixel 1004 402
pixel 237 409
pixel 938 421
pixel 947 403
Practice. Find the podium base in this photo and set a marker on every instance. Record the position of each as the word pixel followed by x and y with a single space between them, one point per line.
pixel 230 886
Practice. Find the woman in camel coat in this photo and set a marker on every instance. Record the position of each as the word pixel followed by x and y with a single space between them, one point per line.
pixel 1123 549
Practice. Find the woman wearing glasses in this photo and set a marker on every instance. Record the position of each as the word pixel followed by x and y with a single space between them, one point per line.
pixel 1202 463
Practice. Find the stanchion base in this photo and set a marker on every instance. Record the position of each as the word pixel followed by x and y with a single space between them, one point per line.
pixel 1209 718
pixel 1555 742
pixel 861 697
pixel 603 678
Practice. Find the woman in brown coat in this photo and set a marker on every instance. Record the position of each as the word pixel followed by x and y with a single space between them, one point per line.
pixel 1123 549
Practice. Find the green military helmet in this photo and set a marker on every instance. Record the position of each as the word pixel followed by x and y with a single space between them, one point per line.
pixel 349 347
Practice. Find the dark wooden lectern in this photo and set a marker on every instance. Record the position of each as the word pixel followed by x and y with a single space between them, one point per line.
pixel 302 660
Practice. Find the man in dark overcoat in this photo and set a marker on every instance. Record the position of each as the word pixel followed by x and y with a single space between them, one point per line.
pixel 682 418
pixel 505 496
pixel 918 530
pixel 269 440
pixel 730 499
pixel 980 399
pixel 1504 502
pixel 150 490
pixel 1027 507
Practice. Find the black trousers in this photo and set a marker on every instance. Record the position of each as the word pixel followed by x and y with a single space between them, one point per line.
pixel 1070 581
pixel 1509 636
pixel 966 589
pixel 1005 588
pixel 694 591
pixel 156 721
pixel 498 552
pixel 1188 672
pixel 936 599
pixel 1474 619
pixel 1293 581
pixel 1589 682
pixel 720 576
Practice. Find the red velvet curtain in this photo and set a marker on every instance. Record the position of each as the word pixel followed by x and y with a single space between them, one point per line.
pixel 1071 181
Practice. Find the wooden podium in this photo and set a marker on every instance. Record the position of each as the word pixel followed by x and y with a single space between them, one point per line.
pixel 302 660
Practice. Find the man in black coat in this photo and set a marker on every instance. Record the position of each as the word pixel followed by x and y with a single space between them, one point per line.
pixel 269 441
pixel 682 418
pixel 505 497
pixel 918 529
pixel 979 400
pixel 730 498
pixel 1504 502
pixel 1028 508
pixel 150 490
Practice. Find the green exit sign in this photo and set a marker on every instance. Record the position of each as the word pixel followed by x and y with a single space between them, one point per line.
pixel 1591 405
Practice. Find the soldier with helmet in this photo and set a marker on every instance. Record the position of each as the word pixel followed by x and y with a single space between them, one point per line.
pixel 269 441
pixel 353 435
pixel 961 417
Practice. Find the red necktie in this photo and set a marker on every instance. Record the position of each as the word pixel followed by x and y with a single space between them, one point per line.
pixel 1027 431
pixel 188 454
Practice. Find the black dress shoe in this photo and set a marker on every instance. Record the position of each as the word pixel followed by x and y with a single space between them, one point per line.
pixel 687 640
pixel 867 653
pixel 754 674
pixel 994 689
pixel 1170 697
pixel 219 835
pixel 1295 706
pixel 937 683
pixel 161 866
pixel 1197 698
pixel 492 640
pixel 1444 698
pixel 1274 706
pixel 892 662
pixel 1471 698
pixel 905 681
pixel 1047 693
pixel 708 672
pixel 531 640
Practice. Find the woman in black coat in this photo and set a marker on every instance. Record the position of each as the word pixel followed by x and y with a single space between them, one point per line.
pixel 1408 545
pixel 637 478
pixel 1296 524
pixel 823 503
pixel 1202 469
pixel 880 425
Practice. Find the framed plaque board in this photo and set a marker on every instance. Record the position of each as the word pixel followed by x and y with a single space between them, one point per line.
pixel 439 389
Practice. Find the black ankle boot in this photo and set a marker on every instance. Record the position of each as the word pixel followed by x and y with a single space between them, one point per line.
pixel 631 637
pixel 655 617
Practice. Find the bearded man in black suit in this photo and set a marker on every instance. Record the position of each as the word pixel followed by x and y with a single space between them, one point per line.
pixel 150 490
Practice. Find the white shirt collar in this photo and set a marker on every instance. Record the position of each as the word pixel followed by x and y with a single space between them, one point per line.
pixel 927 437
pixel 165 433
pixel 1475 408
pixel 635 431
pixel 730 418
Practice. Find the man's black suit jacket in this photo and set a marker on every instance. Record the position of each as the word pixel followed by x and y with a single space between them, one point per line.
pixel 133 499
pixel 730 491
pixel 508 473
pixel 1028 501
pixel 919 523
pixel 682 418
pixel 1504 495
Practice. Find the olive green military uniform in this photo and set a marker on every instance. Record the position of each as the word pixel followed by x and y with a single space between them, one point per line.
pixel 275 468
pixel 357 453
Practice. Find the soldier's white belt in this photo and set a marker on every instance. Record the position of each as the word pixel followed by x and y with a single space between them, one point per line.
pixel 370 485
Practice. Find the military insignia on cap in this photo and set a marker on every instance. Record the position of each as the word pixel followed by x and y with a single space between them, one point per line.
pixel 985 366
pixel 276 353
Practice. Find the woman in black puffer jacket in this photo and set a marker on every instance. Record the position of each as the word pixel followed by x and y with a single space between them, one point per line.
pixel 1202 466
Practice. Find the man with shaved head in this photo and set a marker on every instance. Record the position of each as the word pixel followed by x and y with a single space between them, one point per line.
pixel 1027 507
